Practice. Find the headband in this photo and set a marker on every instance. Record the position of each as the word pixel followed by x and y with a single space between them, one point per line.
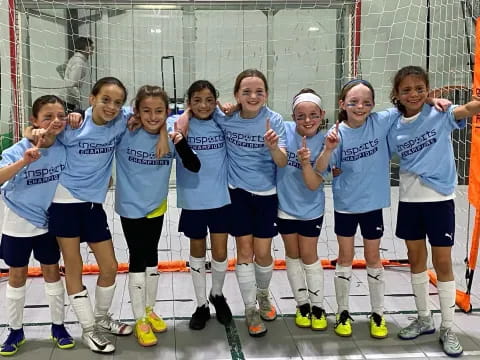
pixel 306 97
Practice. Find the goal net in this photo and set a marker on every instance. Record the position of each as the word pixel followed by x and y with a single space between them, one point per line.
pixel 318 44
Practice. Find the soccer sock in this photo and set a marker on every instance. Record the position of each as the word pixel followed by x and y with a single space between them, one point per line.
pixel 151 286
pixel 296 278
pixel 314 276
pixel 136 289
pixel 376 286
pixel 83 309
pixel 447 294
pixel 219 270
pixel 263 275
pixel 420 291
pixel 55 293
pixel 246 282
pixel 103 299
pixel 15 303
pixel 197 270
pixel 342 286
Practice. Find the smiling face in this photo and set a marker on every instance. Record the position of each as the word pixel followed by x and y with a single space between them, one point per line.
pixel 153 112
pixel 412 92
pixel 202 103
pixel 107 103
pixel 308 117
pixel 49 113
pixel 358 104
pixel 252 96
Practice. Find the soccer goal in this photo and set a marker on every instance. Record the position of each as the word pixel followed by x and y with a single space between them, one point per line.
pixel 318 44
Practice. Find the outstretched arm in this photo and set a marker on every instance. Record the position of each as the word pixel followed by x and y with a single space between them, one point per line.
pixel 469 109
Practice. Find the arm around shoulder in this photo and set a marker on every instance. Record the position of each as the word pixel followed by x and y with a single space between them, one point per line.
pixel 469 109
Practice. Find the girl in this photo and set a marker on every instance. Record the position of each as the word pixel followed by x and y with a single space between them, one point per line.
pixel 141 201
pixel 422 138
pixel 360 163
pixel 360 192
pixel 300 211
pixel 77 215
pixel 256 142
pixel 202 212
pixel 29 176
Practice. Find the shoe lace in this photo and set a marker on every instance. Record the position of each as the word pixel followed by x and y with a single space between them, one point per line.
pixel 110 320
pixel 377 319
pixel 61 332
pixel 318 312
pixel 98 337
pixel 253 318
pixel 450 337
pixel 264 301
pixel 304 309
pixel 344 316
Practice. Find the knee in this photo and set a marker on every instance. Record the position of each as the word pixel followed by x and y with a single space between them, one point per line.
pixel 17 277
pixel 51 273
pixel 109 270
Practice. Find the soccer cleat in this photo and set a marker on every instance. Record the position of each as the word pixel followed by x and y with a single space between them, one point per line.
pixel 144 334
pixel 157 324
pixel 319 319
pixel 266 308
pixel 419 326
pixel 200 317
pixel 378 326
pixel 256 327
pixel 115 327
pixel 61 337
pixel 343 325
pixel 302 316
pixel 222 310
pixel 450 344
pixel 15 339
pixel 97 342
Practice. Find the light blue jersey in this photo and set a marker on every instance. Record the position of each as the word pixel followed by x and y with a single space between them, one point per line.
pixel 425 147
pixel 90 151
pixel 250 164
pixel 30 192
pixel 207 189
pixel 294 198
pixel 364 158
pixel 142 179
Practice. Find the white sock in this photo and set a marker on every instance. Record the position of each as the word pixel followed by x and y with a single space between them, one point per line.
pixel 83 309
pixel 447 294
pixel 246 282
pixel 197 269
pixel 296 278
pixel 219 269
pixel 263 275
pixel 420 291
pixel 314 276
pixel 15 305
pixel 55 293
pixel 151 285
pixel 376 286
pixel 136 289
pixel 103 299
pixel 342 278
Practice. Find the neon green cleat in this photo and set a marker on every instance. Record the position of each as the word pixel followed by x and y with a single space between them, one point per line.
pixel 302 316
pixel 343 326
pixel 319 319
pixel 378 327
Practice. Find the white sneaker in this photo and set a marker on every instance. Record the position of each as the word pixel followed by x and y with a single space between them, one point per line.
pixel 97 342
pixel 107 324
